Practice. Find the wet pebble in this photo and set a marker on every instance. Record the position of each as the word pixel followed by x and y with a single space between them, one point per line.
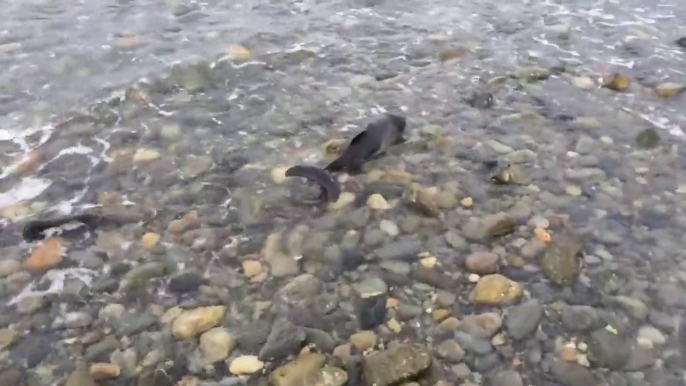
pixel 473 344
pixel 193 322
pixel 506 378
pixel 652 335
pixel 450 350
pixel 216 344
pixel 608 349
pixel 580 318
pixel 482 326
pixel 8 267
pixel 400 250
pixel 482 263
pixel 245 364
pixel 496 290
pixel 396 363
pixel 523 320
pixel 284 339
pixel 572 374
pixel 390 228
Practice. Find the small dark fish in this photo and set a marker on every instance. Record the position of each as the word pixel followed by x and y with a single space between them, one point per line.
pixel 481 100
pixel 681 42
pixel 33 230
pixel 331 189
pixel 376 138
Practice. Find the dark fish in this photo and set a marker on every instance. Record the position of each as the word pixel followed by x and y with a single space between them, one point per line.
pixel 33 230
pixel 681 42
pixel 330 187
pixel 481 100
pixel 376 138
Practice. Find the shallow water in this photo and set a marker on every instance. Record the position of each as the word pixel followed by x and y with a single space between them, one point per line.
pixel 140 103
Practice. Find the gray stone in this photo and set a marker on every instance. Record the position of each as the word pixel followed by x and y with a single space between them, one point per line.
pixel 77 319
pixel 8 267
pixel 445 298
pixel 482 326
pixel 505 378
pixel 472 344
pixel 522 320
pixel 101 350
pixel 31 304
pixel 301 288
pixel 580 318
pixel 455 240
pixel 572 374
pixel 371 286
pixel 607 349
pixel 400 250
pixel 450 350
pixel 407 311
pixel 640 359
pixel 561 261
pixel 396 267
pixel 284 339
pixel 143 273
pixel 374 237
pixel 395 364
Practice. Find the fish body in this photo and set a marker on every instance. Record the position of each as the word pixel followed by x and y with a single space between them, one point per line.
pixel 34 230
pixel 330 186
pixel 376 138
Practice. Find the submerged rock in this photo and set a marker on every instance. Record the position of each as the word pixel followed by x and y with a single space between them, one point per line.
pixel 561 261
pixel 669 90
pixel 648 138
pixel 298 371
pixel 608 349
pixel 400 362
pixel 499 224
pixel 193 322
pixel 616 82
pixel 523 319
pixel 496 290
pixel 284 339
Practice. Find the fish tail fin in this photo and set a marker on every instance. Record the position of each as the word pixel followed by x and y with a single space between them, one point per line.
pixel 320 176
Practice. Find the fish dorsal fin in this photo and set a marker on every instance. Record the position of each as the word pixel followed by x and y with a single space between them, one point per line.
pixel 358 138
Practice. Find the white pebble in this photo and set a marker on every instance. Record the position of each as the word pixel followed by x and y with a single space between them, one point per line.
pixel 474 277
pixel 377 202
pixel 652 334
pixel 389 227
pixel 245 364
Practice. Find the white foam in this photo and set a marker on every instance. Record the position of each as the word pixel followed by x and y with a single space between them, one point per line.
pixel 27 189
pixel 56 278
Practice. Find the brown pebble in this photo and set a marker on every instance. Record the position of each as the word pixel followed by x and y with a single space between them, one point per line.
pixel 191 218
pixel 616 82
pixel 394 325
pixel 515 261
pixel 104 371
pixel 343 351
pixel 482 263
pixel 48 255
pixel 498 340
pixel 176 227
pixel 149 240
pixel 252 268
pixel 568 354
pixel 364 340
pixel 440 315
pixel 392 303
pixel 451 324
